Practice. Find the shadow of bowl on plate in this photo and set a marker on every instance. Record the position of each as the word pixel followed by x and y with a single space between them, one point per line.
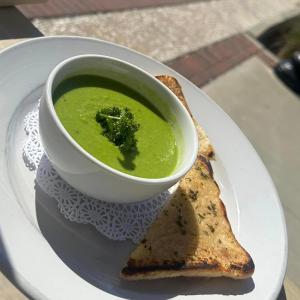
pixel 98 260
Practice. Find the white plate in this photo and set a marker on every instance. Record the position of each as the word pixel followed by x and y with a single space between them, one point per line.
pixel 49 257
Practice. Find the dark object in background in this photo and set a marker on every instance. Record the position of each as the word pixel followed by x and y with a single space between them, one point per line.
pixel 296 62
pixel 286 71
pixel 283 39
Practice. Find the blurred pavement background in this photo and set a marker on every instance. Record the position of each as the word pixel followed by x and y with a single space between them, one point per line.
pixel 212 43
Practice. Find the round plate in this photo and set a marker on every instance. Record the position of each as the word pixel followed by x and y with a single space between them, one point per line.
pixel 49 257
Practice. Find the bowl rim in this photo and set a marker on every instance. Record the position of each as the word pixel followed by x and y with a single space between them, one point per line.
pixel 49 102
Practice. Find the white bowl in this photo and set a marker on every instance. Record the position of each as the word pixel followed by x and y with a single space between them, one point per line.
pixel 85 172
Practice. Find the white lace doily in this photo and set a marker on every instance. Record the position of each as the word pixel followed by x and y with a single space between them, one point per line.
pixel 115 221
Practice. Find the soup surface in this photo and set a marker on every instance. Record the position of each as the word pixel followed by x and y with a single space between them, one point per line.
pixel 77 100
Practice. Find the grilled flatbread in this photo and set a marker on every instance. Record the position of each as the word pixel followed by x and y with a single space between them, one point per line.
pixel 192 235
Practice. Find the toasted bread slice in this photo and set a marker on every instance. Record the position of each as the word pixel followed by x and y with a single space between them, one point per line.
pixel 192 235
pixel 205 147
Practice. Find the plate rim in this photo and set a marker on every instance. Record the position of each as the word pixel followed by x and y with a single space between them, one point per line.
pixel 22 282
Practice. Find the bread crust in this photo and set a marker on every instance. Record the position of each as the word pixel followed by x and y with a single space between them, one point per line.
pixel 205 146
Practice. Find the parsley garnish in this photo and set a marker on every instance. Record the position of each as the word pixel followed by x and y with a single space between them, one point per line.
pixel 119 127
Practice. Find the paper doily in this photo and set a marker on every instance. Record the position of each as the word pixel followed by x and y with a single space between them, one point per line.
pixel 115 221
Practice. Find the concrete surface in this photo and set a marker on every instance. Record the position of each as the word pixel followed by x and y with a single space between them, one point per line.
pixel 292 291
pixel 260 28
pixel 6 43
pixel 8 290
pixel 167 32
pixel 268 113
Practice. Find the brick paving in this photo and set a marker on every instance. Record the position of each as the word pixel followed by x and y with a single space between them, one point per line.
pixel 207 63
pixel 59 8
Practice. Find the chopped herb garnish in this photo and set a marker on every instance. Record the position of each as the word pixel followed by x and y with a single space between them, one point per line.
pixel 119 127
pixel 179 223
pixel 201 217
pixel 204 174
pixel 212 207
pixel 211 228
pixel 193 195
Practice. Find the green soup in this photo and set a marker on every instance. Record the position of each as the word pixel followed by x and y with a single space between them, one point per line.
pixel 77 100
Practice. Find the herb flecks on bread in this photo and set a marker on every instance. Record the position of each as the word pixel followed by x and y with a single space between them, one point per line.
pixel 192 235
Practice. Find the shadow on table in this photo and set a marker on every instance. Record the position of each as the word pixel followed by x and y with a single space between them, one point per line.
pixel 14 25
pixel 282 295
pixel 99 260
